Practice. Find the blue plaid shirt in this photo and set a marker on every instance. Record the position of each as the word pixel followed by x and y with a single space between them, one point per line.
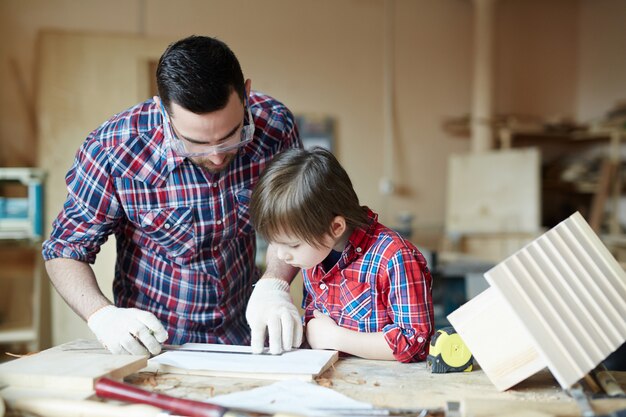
pixel 185 244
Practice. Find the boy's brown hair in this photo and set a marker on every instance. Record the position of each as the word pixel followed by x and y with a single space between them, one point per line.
pixel 301 192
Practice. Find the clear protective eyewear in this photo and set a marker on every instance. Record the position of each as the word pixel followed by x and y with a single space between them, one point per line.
pixel 189 149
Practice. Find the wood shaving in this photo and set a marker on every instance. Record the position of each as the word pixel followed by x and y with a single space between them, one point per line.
pixel 324 382
pixel 358 381
pixel 17 355
pixel 145 378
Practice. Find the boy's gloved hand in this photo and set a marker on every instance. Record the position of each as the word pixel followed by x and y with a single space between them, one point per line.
pixel 270 307
pixel 127 330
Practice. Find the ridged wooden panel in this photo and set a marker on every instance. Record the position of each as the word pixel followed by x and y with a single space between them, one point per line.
pixel 569 292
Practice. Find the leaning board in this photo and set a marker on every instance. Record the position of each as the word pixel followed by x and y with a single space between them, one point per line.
pixel 72 366
pixel 494 192
pixel 303 364
pixel 569 293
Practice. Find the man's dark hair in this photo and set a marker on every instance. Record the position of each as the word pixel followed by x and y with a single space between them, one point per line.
pixel 199 73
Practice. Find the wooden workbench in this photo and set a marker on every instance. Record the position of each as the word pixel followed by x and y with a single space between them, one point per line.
pixel 393 384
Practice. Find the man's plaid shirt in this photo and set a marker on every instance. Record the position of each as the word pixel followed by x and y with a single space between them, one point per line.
pixel 185 244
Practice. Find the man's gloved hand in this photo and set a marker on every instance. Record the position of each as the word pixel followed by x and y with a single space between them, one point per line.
pixel 271 307
pixel 127 330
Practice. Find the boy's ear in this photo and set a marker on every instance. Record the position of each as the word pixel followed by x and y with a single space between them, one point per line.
pixel 338 226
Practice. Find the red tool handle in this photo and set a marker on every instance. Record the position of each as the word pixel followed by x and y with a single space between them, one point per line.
pixel 108 388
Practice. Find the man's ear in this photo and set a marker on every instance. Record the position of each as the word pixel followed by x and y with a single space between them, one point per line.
pixel 338 226
pixel 248 86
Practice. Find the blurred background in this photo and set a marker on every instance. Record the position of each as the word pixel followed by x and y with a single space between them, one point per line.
pixel 469 126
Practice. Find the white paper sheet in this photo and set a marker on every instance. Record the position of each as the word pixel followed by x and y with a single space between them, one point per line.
pixel 299 361
pixel 291 396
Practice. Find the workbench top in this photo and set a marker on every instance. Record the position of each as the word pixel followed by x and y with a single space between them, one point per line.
pixel 393 384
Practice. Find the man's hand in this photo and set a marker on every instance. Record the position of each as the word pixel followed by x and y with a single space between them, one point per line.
pixel 270 307
pixel 127 330
pixel 321 331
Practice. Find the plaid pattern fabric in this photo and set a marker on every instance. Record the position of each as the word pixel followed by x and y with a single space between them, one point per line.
pixel 380 284
pixel 185 244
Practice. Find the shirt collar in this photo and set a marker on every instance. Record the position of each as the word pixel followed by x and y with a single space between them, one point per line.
pixel 359 241
pixel 361 238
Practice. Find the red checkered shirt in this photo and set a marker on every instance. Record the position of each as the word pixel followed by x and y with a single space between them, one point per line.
pixel 185 244
pixel 381 283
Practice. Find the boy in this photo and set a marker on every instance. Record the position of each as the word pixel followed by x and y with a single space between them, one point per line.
pixel 367 290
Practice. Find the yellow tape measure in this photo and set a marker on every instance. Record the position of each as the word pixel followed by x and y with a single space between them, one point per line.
pixel 448 353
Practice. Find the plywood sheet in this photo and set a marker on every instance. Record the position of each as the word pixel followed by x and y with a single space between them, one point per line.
pixel 569 293
pixel 71 366
pixel 494 192
pixel 82 82
pixel 304 364
pixel 497 339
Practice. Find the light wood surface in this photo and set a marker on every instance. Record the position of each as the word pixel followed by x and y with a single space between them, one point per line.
pixel 72 366
pixel 394 384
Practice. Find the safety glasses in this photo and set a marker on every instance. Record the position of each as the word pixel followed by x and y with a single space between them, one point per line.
pixel 185 148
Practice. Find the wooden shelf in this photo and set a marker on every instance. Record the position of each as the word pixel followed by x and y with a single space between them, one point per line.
pixel 559 148
pixel 18 335
pixel 20 293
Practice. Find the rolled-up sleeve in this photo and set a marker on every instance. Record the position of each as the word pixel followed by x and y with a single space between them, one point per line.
pixel 91 210
pixel 409 306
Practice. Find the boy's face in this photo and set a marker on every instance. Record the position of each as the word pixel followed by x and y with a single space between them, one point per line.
pixel 296 252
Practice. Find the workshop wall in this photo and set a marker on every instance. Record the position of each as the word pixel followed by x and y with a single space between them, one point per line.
pixel 601 57
pixel 327 57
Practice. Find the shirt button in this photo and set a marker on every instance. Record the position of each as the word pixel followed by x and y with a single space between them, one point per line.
pixel 214 184
pixel 219 222
pixel 167 225
pixel 420 339
pixel 359 250
pixel 323 286
pixel 215 248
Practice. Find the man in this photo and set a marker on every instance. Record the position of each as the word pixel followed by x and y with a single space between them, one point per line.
pixel 171 178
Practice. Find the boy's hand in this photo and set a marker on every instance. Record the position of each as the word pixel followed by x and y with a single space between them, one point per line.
pixel 127 330
pixel 270 307
pixel 321 331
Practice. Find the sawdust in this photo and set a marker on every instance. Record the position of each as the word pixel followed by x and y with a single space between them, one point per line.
pixel 145 378
pixel 324 382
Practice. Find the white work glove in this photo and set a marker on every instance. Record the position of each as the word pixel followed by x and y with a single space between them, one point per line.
pixel 270 307
pixel 127 330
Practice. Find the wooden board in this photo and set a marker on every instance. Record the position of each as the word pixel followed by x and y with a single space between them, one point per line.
pixel 72 366
pixel 497 339
pixel 493 192
pixel 304 364
pixel 569 293
pixel 495 247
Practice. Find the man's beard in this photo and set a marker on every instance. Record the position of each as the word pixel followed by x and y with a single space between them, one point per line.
pixel 206 163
